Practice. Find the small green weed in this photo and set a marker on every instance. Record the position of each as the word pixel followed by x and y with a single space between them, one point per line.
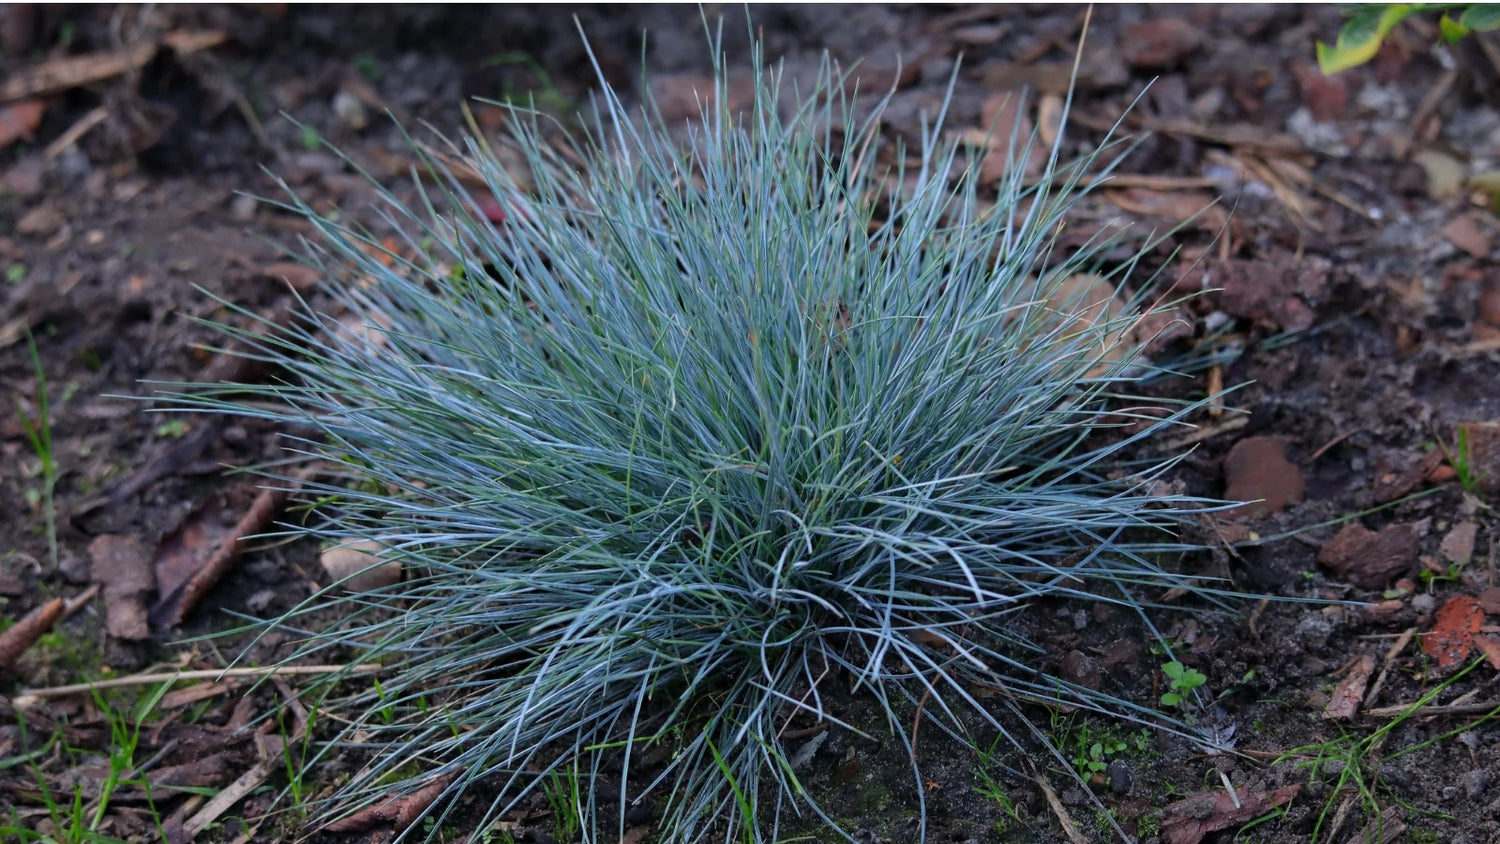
pixel 1095 758
pixel 296 752
pixel 1461 458
pixel 1351 761
pixel 1090 749
pixel 367 66
pixel 39 434
pixel 15 273
pixel 991 788
pixel 1182 680
pixel 546 97
pixel 561 789
pixel 75 819
pixel 174 430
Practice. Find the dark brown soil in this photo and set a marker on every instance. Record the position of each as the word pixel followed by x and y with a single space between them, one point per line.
pixel 1354 291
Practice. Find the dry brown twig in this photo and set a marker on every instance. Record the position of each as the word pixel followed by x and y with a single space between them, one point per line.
pixel 59 75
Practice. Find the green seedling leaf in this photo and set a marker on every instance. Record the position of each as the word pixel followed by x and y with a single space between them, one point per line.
pixel 1451 31
pixel 1361 37
pixel 1480 17
pixel 172 430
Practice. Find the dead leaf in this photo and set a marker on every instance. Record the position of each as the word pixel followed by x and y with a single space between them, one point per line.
pixel 173 606
pixel 18 120
pixel 207 772
pixel 1445 174
pixel 1490 647
pixel 399 811
pixel 122 566
pixel 41 221
pixel 300 276
pixel 358 567
pixel 1489 600
pixel 1369 559
pixel 1458 545
pixel 1256 470
pixel 1188 821
pixel 1351 690
pixel 1483 440
pixel 1176 205
pixel 1159 43
pixel 1392 485
pixel 181 553
pixel 1489 305
pixel 24 633
pixel 1463 231
pixel 1003 121
pixel 1326 97
pixel 192 694
pixel 1452 634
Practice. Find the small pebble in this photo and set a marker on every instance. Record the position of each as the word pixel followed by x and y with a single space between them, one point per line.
pixel 1422 602
pixel 260 600
pixel 1119 777
pixel 242 208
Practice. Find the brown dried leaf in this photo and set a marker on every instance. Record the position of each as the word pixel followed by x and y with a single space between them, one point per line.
pixel 1489 600
pixel 1458 545
pixel 1159 43
pixel 1256 470
pixel 1188 821
pixel 1490 647
pixel 1452 634
pixel 1002 120
pixel 181 553
pixel 300 276
pixel 193 694
pixel 122 566
pixel 19 120
pixel 399 811
pixel 1483 459
pixel 1176 205
pixel 175 605
pixel 1463 231
pixel 1369 559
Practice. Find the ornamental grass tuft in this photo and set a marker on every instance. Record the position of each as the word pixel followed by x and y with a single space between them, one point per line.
pixel 707 433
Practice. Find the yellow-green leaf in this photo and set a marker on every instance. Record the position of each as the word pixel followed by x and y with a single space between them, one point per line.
pixel 1360 39
pixel 1451 30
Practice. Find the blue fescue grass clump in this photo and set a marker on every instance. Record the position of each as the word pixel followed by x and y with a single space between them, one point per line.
pixel 701 435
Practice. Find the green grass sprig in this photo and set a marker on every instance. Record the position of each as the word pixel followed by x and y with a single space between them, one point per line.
pixel 703 432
